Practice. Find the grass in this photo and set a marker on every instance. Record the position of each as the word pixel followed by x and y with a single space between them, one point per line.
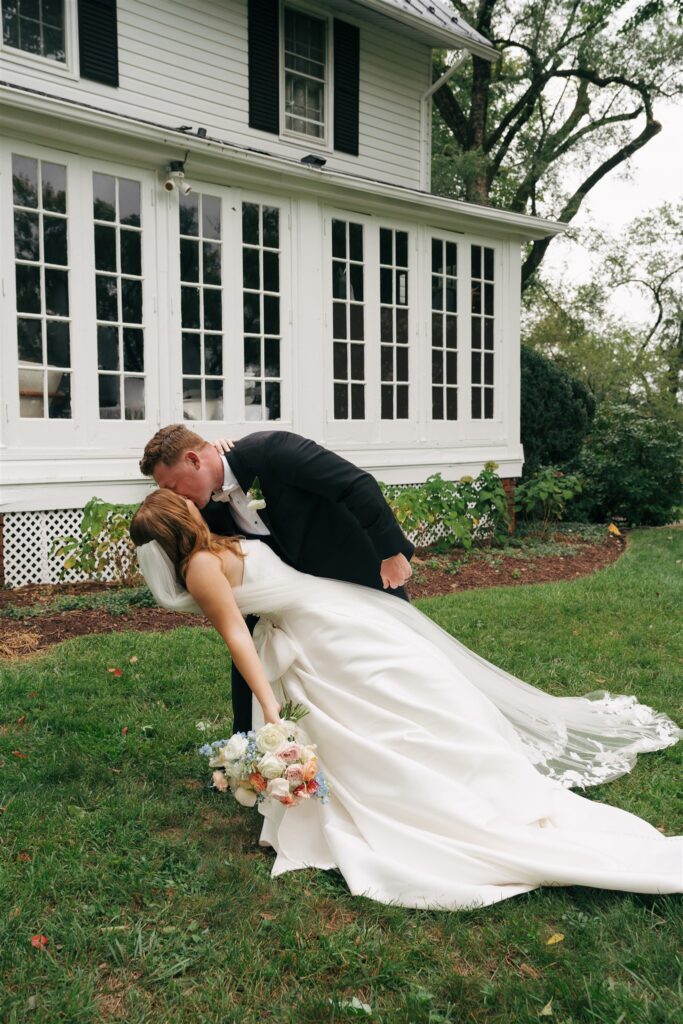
pixel 116 602
pixel 157 902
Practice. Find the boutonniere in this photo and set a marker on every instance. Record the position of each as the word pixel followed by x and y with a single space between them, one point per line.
pixel 255 496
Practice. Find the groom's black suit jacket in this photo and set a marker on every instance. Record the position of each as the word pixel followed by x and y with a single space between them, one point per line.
pixel 326 517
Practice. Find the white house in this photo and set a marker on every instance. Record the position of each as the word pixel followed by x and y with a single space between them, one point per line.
pixel 300 275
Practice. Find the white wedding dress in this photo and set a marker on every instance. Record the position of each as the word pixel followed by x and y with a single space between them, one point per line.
pixel 449 777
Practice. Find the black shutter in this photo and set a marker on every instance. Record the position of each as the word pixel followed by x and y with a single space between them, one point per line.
pixel 98 45
pixel 346 75
pixel 264 70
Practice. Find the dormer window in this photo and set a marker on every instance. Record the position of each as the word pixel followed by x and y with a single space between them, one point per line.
pixel 35 26
pixel 305 67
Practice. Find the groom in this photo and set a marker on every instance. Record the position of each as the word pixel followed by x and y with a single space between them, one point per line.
pixel 323 515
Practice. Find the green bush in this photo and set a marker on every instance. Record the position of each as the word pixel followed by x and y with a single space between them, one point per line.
pixel 545 495
pixel 632 464
pixel 470 510
pixel 556 413
pixel 103 548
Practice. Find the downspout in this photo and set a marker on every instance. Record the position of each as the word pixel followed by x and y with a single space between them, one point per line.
pixel 426 120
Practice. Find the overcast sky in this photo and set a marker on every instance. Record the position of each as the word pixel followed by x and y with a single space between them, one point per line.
pixel 655 175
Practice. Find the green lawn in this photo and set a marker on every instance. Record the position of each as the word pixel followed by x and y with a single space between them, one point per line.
pixel 158 906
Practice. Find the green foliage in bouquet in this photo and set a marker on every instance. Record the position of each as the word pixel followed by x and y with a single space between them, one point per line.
pixel 103 548
pixel 545 495
pixel 468 509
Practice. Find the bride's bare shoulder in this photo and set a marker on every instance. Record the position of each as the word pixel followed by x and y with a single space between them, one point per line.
pixel 203 564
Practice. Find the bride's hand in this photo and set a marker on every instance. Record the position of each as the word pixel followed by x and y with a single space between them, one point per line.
pixel 272 714
pixel 222 444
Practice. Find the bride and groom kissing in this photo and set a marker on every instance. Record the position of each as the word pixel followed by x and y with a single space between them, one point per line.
pixel 450 779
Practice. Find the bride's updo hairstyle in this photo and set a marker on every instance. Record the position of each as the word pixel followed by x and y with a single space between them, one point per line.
pixel 164 517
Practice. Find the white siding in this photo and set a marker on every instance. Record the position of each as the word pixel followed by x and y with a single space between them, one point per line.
pixel 185 63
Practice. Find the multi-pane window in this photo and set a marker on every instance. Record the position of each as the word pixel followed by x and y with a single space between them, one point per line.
pixel 261 311
pixel 35 26
pixel 444 330
pixel 393 275
pixel 42 285
pixel 348 320
pixel 482 331
pixel 201 306
pixel 118 296
pixel 304 68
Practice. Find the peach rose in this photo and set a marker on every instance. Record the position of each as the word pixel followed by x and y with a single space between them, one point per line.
pixel 220 781
pixel 258 782
pixel 310 769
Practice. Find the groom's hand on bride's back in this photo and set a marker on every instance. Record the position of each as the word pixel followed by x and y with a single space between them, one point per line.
pixel 395 571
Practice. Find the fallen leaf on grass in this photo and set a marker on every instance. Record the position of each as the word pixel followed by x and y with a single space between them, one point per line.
pixel 22 720
pixel 124 730
pixel 14 912
pixel 116 672
pixel 24 857
pixel 547 1010
pixel 18 753
pixel 557 937
pixel 267 917
pixel 39 941
pixel 134 659
pixel 530 971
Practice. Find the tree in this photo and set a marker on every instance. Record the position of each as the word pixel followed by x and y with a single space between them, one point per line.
pixel 573 95
pixel 615 359
pixel 556 413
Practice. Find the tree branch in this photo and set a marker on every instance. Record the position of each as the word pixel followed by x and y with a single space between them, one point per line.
pixel 572 206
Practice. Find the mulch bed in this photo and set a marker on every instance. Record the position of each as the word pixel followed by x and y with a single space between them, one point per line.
pixel 22 637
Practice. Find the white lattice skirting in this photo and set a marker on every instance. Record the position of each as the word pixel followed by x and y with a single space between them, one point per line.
pixel 28 537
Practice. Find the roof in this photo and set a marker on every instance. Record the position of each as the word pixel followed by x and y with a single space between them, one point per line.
pixel 433 21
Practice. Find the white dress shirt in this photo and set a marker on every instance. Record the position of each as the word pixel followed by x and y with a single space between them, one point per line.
pixel 245 518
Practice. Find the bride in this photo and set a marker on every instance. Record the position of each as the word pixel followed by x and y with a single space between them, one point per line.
pixel 450 778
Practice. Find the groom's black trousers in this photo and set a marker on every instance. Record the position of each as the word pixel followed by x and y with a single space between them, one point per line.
pixel 241 694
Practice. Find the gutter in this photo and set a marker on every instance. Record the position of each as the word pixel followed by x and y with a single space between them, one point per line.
pixel 93 130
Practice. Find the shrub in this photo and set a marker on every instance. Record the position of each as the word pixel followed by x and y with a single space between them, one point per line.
pixel 545 495
pixel 469 510
pixel 632 465
pixel 556 413
pixel 103 548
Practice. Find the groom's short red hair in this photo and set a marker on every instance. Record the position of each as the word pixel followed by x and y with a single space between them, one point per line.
pixel 167 446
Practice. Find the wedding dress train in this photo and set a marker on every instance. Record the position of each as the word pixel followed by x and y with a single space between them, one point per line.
pixel 449 776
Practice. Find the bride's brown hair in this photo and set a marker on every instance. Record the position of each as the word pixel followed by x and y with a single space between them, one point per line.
pixel 164 517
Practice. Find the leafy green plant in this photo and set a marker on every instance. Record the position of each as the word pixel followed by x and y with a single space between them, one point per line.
pixel 103 548
pixel 632 462
pixel 469 510
pixel 545 495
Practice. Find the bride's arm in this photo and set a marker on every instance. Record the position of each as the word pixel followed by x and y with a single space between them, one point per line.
pixel 212 592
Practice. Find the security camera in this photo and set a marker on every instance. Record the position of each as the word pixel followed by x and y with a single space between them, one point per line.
pixel 176 178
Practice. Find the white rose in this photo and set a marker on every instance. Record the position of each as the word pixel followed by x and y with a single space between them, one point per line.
pixel 245 796
pixel 269 737
pixel 235 747
pixel 271 766
pixel 278 788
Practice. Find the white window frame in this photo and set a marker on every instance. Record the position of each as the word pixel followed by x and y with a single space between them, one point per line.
pixel 323 144
pixel 84 430
pixel 486 429
pixel 35 62
pixel 373 430
pixel 170 321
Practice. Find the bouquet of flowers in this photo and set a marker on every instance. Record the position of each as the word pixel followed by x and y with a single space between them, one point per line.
pixel 275 762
